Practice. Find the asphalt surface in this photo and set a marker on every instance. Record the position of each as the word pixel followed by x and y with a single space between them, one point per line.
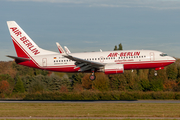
pixel 131 101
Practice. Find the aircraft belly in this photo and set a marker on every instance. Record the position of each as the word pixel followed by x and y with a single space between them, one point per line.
pixel 146 64
pixel 62 68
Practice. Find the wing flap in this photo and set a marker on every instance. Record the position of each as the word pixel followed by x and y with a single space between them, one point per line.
pixel 83 61
pixel 84 64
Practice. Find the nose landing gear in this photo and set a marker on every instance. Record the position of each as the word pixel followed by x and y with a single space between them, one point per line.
pixel 92 76
pixel 155 73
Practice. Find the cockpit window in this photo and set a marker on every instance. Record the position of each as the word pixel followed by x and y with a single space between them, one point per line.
pixel 163 54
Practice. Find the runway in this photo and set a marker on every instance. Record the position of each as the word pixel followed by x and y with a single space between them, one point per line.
pixel 121 101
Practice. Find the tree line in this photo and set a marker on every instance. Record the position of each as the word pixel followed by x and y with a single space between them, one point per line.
pixel 15 79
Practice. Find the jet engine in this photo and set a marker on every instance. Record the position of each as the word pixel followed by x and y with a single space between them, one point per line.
pixel 113 68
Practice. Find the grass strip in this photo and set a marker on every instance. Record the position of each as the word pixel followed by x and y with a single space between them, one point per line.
pixel 90 109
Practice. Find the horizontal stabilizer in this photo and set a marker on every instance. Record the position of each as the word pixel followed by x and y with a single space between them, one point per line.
pixel 19 58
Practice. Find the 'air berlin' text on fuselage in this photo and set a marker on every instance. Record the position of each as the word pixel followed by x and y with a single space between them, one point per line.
pixel 25 41
pixel 123 54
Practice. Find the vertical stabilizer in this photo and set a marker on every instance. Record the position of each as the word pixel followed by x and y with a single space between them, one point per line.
pixel 24 45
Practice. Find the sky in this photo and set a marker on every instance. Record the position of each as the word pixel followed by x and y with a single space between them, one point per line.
pixel 90 25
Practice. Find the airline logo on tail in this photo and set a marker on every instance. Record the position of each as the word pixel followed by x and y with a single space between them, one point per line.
pixel 24 40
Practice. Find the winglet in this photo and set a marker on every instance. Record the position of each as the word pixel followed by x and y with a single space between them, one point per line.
pixel 67 50
pixel 61 50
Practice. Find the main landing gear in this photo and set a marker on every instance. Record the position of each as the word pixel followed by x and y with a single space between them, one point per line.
pixel 92 76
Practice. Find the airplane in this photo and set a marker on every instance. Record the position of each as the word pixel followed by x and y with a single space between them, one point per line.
pixel 109 62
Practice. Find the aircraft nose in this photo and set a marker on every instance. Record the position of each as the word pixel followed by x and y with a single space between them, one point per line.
pixel 172 59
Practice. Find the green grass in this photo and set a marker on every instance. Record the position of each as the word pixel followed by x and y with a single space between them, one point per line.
pixel 89 110
pixel 87 119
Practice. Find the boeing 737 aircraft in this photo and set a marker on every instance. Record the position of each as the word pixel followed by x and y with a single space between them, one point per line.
pixel 109 62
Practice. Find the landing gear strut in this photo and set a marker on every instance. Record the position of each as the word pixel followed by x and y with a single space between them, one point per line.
pixel 92 76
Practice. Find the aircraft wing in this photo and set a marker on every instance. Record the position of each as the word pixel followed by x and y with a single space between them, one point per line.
pixel 84 64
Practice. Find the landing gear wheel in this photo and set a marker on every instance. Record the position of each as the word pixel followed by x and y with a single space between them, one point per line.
pixel 155 73
pixel 92 77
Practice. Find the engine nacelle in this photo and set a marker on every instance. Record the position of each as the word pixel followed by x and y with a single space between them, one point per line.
pixel 160 68
pixel 113 68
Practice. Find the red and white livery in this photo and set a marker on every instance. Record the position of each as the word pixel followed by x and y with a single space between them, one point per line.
pixel 109 62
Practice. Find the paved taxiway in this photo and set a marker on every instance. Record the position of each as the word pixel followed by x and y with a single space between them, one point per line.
pixel 131 101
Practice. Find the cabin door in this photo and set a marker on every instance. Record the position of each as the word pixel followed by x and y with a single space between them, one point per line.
pixel 44 62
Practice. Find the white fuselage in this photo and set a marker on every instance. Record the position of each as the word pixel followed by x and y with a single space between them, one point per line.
pixel 131 59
